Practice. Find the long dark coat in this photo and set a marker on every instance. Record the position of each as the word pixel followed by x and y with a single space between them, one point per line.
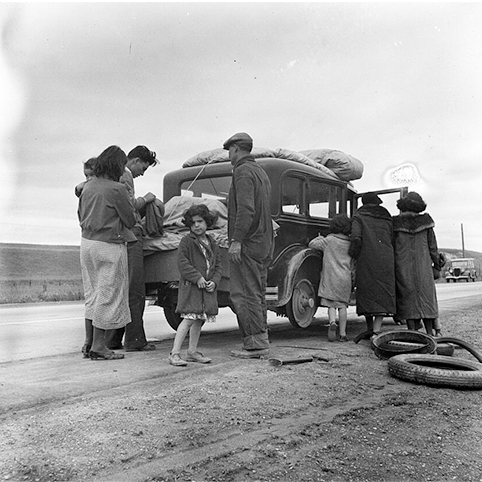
pixel 415 251
pixel 192 266
pixel 371 246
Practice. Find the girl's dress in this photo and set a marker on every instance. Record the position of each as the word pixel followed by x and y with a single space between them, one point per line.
pixel 336 274
pixel 205 249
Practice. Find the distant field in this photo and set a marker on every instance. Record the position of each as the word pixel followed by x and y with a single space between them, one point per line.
pixel 34 272
pixel 31 273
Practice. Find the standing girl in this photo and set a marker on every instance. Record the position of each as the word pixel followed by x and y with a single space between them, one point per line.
pixel 199 263
pixel 336 275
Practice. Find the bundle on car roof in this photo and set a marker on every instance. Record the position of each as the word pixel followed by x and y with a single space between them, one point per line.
pixel 332 162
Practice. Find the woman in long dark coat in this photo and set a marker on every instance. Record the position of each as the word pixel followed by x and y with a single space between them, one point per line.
pixel 371 246
pixel 415 252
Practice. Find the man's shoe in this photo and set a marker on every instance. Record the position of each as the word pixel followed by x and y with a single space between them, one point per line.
pixel 332 332
pixel 176 360
pixel 197 357
pixel 250 353
pixel 148 347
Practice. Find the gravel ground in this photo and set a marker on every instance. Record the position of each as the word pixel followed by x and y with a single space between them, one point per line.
pixel 345 419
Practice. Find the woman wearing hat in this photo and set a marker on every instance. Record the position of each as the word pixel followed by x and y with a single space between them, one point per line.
pixel 371 246
pixel 415 252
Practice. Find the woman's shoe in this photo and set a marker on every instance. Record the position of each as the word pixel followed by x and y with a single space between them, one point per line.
pixel 343 338
pixel 105 356
pixel 86 350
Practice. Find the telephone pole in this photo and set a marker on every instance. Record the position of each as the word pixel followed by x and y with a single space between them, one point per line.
pixel 463 245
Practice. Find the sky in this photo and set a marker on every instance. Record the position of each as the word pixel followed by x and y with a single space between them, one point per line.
pixel 392 84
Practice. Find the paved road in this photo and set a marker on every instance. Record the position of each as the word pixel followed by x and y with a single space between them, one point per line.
pixel 46 329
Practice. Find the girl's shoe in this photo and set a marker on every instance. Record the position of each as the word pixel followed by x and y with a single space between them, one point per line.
pixel 176 360
pixel 343 338
pixel 85 350
pixel 197 357
pixel 332 332
pixel 105 356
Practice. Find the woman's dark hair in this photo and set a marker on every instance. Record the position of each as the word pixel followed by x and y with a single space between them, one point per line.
pixel 412 202
pixel 199 210
pixel 340 223
pixel 111 163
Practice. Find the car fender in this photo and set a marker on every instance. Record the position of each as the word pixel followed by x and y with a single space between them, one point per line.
pixel 293 262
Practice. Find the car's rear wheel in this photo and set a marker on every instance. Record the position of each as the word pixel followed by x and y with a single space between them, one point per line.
pixel 173 318
pixel 302 306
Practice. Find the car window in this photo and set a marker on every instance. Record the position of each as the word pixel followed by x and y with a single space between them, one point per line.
pixel 292 195
pixel 324 199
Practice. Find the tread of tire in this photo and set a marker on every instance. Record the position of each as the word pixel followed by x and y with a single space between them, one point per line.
pixel 445 349
pixel 463 374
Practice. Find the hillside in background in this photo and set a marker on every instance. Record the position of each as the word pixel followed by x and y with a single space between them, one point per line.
pixel 36 262
pixel 39 262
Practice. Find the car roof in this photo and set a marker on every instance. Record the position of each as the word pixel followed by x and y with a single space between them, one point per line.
pixel 271 165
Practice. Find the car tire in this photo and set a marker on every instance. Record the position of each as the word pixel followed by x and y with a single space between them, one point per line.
pixel 421 343
pixel 436 371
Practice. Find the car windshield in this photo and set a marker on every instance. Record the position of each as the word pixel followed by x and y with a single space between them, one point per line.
pixel 213 187
pixel 463 264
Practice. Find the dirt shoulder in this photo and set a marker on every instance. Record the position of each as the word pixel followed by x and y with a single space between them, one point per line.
pixel 140 419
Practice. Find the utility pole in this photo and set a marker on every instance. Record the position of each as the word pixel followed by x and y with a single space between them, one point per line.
pixel 463 245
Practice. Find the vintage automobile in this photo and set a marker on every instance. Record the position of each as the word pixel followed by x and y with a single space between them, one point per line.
pixel 461 269
pixel 303 200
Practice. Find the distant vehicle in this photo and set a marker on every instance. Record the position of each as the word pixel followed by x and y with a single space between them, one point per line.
pixel 461 269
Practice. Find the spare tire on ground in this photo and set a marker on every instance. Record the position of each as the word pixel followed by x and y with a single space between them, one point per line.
pixel 445 349
pixel 422 343
pixel 437 371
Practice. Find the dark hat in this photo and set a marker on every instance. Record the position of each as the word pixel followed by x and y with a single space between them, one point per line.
pixel 412 201
pixel 414 196
pixel 241 138
pixel 371 198
pixel 144 154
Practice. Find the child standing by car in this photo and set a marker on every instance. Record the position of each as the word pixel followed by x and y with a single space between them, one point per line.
pixel 336 274
pixel 199 263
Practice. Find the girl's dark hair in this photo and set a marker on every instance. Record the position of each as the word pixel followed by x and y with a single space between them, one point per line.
pixel 199 210
pixel 111 163
pixel 340 223
pixel 90 163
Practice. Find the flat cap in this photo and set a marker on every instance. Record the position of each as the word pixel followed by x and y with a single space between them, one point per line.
pixel 240 137
pixel 371 198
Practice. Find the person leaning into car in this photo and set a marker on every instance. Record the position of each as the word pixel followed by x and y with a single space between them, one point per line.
pixel 138 161
pixel 250 231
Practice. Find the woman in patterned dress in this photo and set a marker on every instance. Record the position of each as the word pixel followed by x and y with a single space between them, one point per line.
pixel 106 215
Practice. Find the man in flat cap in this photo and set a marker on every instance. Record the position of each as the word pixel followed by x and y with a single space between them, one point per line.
pixel 139 160
pixel 372 246
pixel 250 231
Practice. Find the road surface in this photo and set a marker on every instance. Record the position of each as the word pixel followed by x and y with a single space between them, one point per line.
pixel 46 329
